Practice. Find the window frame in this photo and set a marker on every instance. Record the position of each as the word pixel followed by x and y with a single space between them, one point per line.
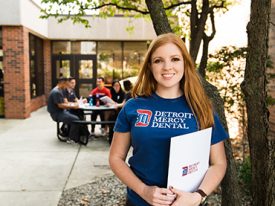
pixel 38 58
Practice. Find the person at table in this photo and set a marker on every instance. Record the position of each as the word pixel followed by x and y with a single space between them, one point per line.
pixel 168 100
pixel 128 86
pixel 58 108
pixel 118 95
pixel 70 96
pixel 96 94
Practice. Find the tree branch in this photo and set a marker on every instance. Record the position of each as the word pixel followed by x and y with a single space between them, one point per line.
pixel 206 40
pixel 138 10
pixel 198 29
pixel 175 5
pixel 119 7
pixel 193 23
pixel 218 6
pixel 212 18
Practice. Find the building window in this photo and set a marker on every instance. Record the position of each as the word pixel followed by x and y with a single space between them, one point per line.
pixel 83 47
pixel 109 60
pixel 118 60
pixel 133 57
pixel 74 47
pixel 36 66
pixel 115 59
pixel 61 47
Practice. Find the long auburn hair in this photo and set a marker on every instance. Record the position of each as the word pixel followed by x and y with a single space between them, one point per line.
pixel 190 84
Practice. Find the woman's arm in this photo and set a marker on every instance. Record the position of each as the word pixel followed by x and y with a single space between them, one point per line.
pixel 118 153
pixel 212 178
pixel 216 171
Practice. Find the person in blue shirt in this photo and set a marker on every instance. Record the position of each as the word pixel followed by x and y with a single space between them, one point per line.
pixel 58 109
pixel 168 100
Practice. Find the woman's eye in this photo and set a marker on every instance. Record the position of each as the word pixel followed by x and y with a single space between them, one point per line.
pixel 157 61
pixel 175 59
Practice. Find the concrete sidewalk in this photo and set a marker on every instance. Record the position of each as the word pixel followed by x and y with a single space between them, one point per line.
pixel 35 167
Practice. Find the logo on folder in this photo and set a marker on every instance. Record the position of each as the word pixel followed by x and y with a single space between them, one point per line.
pixel 190 169
pixel 184 171
pixel 143 118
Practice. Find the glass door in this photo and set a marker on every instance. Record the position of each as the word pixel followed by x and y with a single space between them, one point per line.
pixel 62 66
pixel 85 74
pixel 82 67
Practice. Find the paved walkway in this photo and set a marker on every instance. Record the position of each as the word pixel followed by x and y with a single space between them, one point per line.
pixel 35 167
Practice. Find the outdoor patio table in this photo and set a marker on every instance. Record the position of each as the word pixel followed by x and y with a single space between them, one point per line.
pixel 87 107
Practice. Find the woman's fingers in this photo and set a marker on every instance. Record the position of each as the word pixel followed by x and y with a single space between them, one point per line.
pixel 159 196
pixel 175 191
pixel 164 196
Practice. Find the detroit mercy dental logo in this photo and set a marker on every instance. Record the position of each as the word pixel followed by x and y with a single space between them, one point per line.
pixel 143 118
pixel 171 120
pixel 186 170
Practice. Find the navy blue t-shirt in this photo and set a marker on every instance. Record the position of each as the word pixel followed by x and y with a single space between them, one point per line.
pixel 152 122
pixel 56 97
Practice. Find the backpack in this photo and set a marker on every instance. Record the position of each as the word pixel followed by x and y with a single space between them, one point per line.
pixel 84 134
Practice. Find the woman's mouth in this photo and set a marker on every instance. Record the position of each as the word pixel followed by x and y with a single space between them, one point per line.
pixel 168 76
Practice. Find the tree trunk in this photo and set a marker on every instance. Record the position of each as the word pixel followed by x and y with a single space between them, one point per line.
pixel 254 87
pixel 231 194
pixel 158 16
pixel 204 57
pixel 197 24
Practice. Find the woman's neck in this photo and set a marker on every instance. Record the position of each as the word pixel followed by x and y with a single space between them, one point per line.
pixel 169 94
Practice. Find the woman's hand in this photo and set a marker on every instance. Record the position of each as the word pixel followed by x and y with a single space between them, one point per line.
pixel 186 198
pixel 158 196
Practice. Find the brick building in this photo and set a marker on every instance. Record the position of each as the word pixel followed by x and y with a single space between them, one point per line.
pixel 35 52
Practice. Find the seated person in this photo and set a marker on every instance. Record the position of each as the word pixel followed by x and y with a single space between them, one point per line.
pixel 118 95
pixel 128 89
pixel 96 93
pixel 58 109
pixel 70 96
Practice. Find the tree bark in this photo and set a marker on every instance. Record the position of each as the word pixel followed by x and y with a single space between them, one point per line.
pixel 158 16
pixel 206 39
pixel 197 22
pixel 254 87
pixel 230 185
pixel 204 57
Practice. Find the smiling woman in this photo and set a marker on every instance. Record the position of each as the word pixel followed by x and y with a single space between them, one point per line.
pixel 168 101
pixel 167 66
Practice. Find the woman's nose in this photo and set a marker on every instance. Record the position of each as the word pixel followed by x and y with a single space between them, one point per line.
pixel 168 65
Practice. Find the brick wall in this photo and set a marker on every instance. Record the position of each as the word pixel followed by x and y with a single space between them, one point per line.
pixel 37 102
pixel 16 67
pixel 18 102
pixel 47 67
